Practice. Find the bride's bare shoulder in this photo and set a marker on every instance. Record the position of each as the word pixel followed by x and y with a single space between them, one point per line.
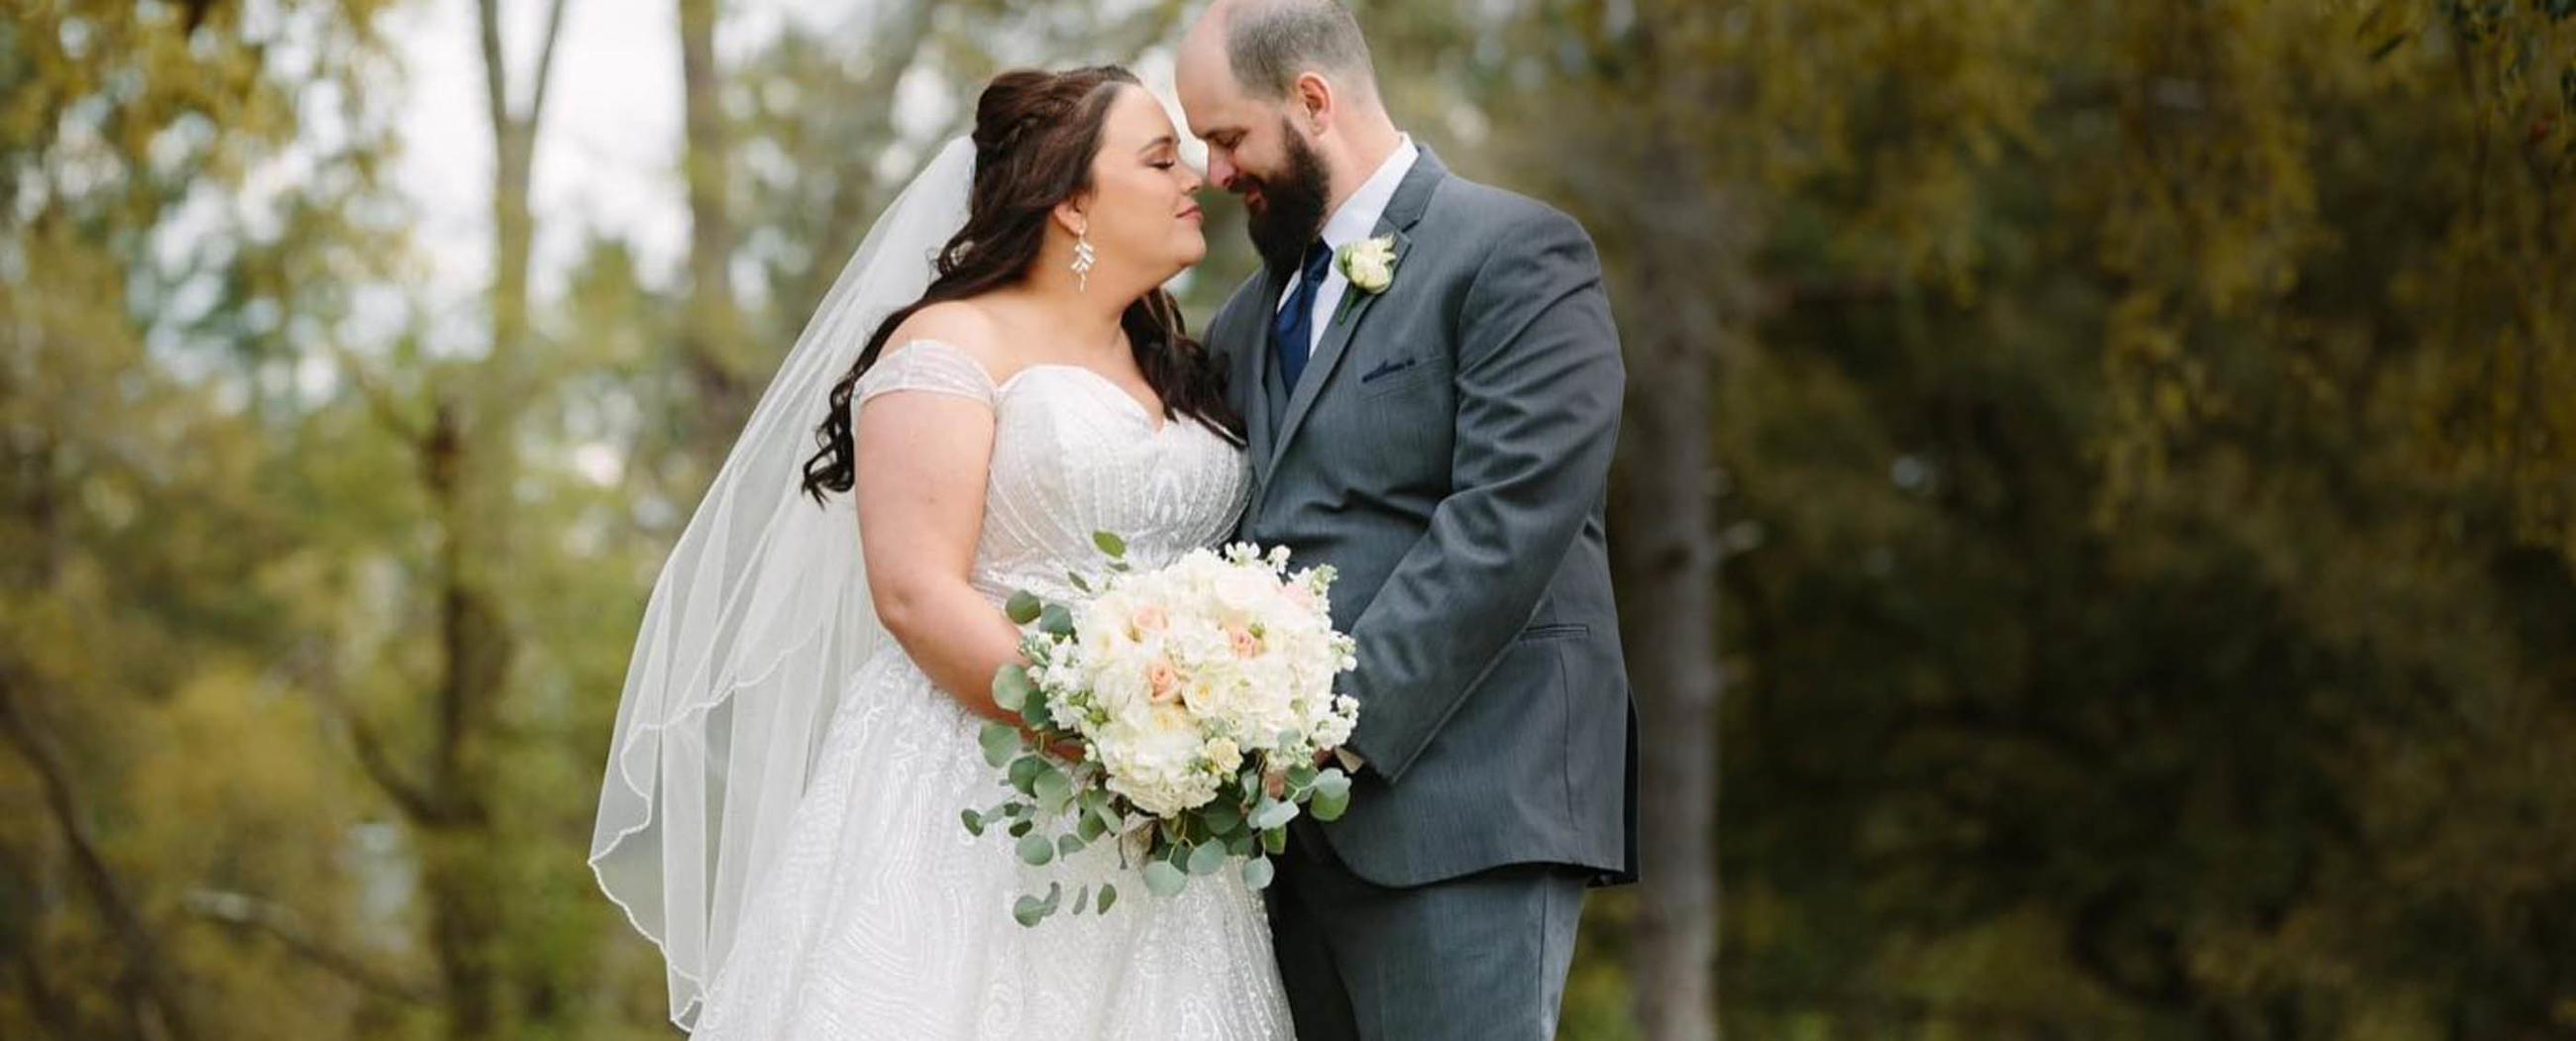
pixel 968 325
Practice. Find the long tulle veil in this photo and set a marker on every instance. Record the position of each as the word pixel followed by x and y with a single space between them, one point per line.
pixel 760 612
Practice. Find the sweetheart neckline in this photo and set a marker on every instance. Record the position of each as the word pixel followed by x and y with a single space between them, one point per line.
pixel 1160 424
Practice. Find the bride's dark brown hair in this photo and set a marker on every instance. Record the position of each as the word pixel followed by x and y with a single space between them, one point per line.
pixel 1035 136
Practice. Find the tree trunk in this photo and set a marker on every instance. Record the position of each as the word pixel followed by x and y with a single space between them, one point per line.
pixel 712 350
pixel 1666 559
pixel 1679 263
pixel 1665 553
pixel 468 459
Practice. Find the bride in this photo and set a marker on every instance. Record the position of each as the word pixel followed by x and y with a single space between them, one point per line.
pixel 797 736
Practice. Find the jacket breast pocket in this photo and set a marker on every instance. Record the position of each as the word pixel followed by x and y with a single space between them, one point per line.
pixel 1391 375
pixel 1555 631
pixel 1408 416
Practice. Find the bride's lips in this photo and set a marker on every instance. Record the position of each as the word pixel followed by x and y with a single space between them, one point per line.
pixel 1193 213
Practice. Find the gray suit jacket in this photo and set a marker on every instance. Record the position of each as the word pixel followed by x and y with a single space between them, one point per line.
pixel 1447 449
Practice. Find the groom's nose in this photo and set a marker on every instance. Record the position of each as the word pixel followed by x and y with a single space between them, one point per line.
pixel 1220 171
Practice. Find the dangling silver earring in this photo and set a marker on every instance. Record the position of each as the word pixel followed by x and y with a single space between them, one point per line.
pixel 1083 257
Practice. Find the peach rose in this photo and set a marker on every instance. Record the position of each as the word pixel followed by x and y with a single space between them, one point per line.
pixel 1149 618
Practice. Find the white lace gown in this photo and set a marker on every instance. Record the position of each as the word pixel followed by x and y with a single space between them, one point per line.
pixel 883 918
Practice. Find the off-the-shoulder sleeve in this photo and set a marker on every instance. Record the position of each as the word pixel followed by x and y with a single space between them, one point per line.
pixel 925 365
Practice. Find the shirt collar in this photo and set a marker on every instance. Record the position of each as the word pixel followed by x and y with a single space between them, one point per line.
pixel 1359 214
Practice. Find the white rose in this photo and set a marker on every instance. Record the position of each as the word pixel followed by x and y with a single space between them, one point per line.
pixel 1370 263
pixel 1245 591
pixel 1224 754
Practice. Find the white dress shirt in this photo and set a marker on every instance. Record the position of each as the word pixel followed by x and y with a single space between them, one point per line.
pixel 1353 221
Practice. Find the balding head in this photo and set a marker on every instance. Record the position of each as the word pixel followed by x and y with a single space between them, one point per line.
pixel 1283 93
pixel 1269 42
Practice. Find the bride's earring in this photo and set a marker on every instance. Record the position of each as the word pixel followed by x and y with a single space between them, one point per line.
pixel 1083 257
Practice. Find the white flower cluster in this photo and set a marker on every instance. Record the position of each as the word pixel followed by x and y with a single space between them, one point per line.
pixel 1175 677
pixel 1369 263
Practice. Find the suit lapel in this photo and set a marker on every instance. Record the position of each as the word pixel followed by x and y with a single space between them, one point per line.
pixel 1251 373
pixel 1412 196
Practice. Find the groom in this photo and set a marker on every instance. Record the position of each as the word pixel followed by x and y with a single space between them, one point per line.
pixel 1432 383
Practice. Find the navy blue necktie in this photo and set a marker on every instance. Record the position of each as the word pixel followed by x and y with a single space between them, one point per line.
pixel 1292 330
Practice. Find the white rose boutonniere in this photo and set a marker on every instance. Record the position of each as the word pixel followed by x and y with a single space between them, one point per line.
pixel 1368 263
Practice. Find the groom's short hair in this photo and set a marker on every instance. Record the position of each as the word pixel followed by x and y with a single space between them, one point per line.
pixel 1270 42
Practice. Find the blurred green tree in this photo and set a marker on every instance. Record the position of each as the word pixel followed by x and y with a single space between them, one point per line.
pixel 2143 484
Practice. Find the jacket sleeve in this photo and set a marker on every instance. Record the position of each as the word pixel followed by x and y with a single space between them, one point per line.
pixel 1539 383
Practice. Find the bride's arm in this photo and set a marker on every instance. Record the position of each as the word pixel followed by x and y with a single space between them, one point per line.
pixel 919 472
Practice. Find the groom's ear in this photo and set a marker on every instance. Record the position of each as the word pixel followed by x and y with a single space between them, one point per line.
pixel 1311 100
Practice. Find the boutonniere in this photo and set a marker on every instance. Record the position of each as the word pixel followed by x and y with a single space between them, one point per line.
pixel 1368 263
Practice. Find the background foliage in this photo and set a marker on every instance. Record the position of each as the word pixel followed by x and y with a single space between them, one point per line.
pixel 2116 461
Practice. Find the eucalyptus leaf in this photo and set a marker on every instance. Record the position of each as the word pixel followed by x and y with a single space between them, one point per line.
pixel 1035 850
pixel 1001 741
pixel 1068 845
pixel 1080 897
pixel 974 823
pixel 1273 813
pixel 1332 795
pixel 1110 543
pixel 1056 620
pixel 1011 687
pixel 1275 841
pixel 1162 879
pixel 1334 780
pixel 1088 826
pixel 1023 607
pixel 1030 910
pixel 1257 873
pixel 1222 817
pixel 1206 857
pixel 1053 790
pixel 1078 581
pixel 1108 896
pixel 1034 711
pixel 1024 773
pixel 1023 828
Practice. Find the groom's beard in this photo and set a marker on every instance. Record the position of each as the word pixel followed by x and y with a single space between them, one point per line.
pixel 1292 206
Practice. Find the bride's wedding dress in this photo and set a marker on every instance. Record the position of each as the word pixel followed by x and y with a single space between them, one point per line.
pixel 882 917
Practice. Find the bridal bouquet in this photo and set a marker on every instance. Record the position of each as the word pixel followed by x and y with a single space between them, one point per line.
pixel 1199 695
